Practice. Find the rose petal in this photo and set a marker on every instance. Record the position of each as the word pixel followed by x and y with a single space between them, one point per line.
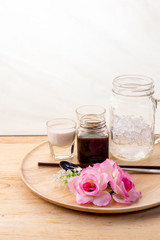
pixel 89 176
pixel 83 199
pixel 105 178
pixel 78 187
pixel 117 176
pixel 120 199
pixel 127 175
pixel 95 192
pixel 127 184
pixel 97 167
pixel 87 170
pixel 88 187
pixel 102 200
pixel 107 166
pixel 133 195
pixel 71 184
pixel 123 191
pixel 92 177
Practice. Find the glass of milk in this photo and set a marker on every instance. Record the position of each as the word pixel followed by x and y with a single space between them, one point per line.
pixel 61 136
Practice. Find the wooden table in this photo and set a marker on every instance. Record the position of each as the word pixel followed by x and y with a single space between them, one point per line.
pixel 25 216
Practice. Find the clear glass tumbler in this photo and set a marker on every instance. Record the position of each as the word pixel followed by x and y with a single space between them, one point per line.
pixel 132 118
pixel 61 137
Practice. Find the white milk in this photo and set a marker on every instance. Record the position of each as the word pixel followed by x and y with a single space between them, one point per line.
pixel 61 137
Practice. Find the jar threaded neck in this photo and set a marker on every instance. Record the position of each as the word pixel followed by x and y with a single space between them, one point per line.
pixel 133 86
pixel 92 122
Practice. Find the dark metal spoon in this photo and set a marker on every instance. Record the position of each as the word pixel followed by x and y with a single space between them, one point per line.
pixel 70 166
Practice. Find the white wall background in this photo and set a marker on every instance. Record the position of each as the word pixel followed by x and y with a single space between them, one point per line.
pixel 56 55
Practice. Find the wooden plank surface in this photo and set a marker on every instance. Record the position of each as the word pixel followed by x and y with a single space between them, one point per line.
pixel 23 215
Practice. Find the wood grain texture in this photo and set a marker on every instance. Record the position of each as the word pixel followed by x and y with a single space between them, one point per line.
pixel 38 179
pixel 23 215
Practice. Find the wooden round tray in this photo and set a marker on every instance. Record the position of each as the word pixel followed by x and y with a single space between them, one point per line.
pixel 39 180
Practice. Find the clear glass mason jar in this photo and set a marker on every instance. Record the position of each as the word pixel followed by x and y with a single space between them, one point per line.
pixel 92 139
pixel 132 117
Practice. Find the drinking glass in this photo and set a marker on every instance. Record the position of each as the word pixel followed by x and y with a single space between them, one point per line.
pixel 61 136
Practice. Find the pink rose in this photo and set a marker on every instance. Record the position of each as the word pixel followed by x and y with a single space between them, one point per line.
pixel 120 181
pixel 90 186
pixel 124 188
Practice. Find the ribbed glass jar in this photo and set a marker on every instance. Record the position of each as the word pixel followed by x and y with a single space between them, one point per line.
pixel 132 117
pixel 92 139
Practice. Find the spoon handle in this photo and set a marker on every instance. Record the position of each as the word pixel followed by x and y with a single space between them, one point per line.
pixel 140 169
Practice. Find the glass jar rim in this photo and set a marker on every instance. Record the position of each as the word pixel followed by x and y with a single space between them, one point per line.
pixel 80 109
pixel 92 121
pixel 52 122
pixel 133 85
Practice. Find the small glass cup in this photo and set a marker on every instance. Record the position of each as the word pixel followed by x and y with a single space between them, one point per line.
pixel 90 109
pixel 61 136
